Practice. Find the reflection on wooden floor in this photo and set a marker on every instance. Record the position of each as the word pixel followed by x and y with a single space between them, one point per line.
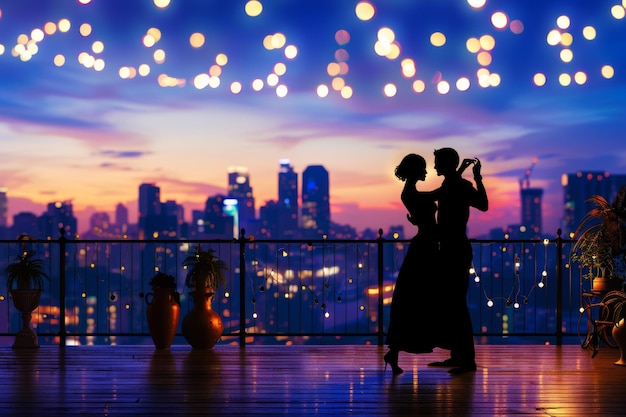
pixel 329 380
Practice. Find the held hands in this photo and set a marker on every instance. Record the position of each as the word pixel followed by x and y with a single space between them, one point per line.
pixel 476 169
pixel 466 162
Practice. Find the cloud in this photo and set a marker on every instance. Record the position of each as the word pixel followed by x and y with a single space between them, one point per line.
pixel 123 154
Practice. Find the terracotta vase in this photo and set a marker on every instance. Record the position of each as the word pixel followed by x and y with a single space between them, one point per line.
pixel 25 301
pixel 202 326
pixel 163 313
pixel 603 284
pixel 619 334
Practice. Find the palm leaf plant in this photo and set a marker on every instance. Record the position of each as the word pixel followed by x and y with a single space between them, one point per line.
pixel 601 238
pixel 26 272
pixel 205 269
pixel 163 280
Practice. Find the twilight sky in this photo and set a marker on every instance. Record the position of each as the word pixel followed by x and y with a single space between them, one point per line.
pixel 100 96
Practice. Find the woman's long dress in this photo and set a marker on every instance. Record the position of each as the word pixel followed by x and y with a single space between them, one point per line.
pixel 412 316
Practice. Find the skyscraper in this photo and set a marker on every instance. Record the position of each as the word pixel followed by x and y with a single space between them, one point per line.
pixel 173 215
pixel 4 205
pixel 149 210
pixel 531 211
pixel 287 199
pixel 121 227
pixel 121 216
pixel 25 223
pixel 579 187
pixel 217 223
pixel 59 215
pixel 315 201
pixel 239 188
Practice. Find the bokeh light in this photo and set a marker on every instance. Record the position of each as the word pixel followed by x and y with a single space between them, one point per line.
pixel 97 47
pixel 161 4
pixel 438 39
pixel 476 4
pixel 390 90
pixel 253 8
pixel 50 28
pixel 463 84
pixel 567 55
pixel 516 26
pixel 607 71
pixel 419 86
pixel 64 25
pixel 473 45
pixel 618 11
pixel 539 79
pixel 322 90
pixel 565 79
pixel 159 56
pixel 85 29
pixel 282 91
pixel 235 87
pixel 196 40
pixel 487 42
pixel 346 92
pixel 388 45
pixel 258 84
pixel 342 37
pixel 499 20
pixel 554 37
pixel 59 60
pixel 589 33
pixel 365 10
pixel 443 87
pixel 291 52
pixel 408 68
pixel 563 22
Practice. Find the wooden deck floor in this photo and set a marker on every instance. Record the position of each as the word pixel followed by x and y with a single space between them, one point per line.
pixel 326 380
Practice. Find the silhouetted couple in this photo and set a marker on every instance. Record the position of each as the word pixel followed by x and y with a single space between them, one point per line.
pixel 429 305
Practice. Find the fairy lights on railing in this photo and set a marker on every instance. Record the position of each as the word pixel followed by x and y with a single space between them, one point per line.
pixel 335 281
pixel 314 288
pixel 515 292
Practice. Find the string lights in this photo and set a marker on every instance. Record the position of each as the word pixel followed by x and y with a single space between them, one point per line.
pixel 515 293
pixel 324 289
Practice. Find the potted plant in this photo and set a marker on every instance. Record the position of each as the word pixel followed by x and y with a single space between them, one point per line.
pixel 25 283
pixel 202 326
pixel 614 311
pixel 163 310
pixel 601 243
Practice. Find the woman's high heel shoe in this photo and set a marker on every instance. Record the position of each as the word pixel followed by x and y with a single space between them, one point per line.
pixel 391 358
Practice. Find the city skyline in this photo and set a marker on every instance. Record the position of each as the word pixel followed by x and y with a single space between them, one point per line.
pixel 74 131
pixel 288 220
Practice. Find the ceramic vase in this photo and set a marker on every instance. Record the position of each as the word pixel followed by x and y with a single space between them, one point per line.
pixel 163 313
pixel 619 334
pixel 202 326
pixel 25 301
pixel 603 285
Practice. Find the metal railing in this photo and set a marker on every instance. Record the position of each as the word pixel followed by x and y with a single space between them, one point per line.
pixel 292 291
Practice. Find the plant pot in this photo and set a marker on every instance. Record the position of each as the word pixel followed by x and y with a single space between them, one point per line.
pixel 163 313
pixel 25 301
pixel 202 326
pixel 619 334
pixel 603 284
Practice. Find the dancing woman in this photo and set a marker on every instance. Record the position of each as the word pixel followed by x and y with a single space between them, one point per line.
pixel 410 321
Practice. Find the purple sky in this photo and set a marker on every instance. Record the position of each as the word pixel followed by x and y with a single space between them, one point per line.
pixel 71 130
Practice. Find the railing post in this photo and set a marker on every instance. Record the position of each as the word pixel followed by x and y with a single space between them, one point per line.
pixel 380 269
pixel 62 289
pixel 242 288
pixel 559 288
